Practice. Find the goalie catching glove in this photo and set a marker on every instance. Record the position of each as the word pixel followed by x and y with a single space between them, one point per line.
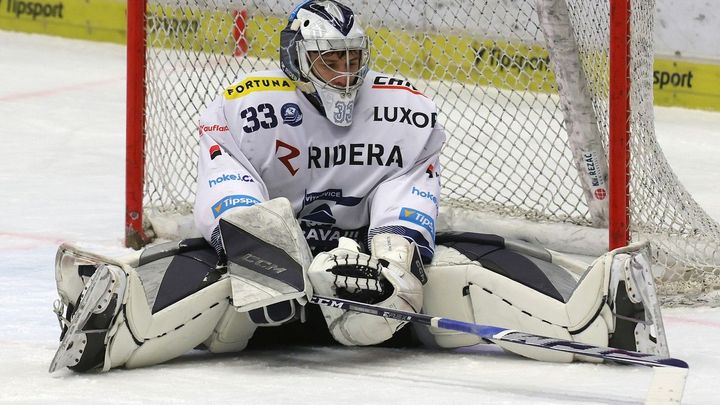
pixel 392 277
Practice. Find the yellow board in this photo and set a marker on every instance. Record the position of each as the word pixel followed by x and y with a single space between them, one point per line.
pixel 98 20
pixel 687 84
pixel 414 55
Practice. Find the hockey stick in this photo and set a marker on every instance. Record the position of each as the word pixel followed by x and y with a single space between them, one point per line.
pixel 507 335
pixel 667 385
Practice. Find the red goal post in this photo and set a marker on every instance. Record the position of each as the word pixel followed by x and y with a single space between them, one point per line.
pixel 619 131
pixel 135 125
pixel 548 104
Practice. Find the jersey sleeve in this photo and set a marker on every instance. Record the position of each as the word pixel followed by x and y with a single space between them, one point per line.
pixel 225 181
pixel 408 204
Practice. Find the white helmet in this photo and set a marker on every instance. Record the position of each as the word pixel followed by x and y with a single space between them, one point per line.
pixel 319 31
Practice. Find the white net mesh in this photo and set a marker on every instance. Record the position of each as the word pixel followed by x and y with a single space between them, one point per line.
pixel 486 66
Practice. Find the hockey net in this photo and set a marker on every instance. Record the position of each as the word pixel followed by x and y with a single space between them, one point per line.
pixel 522 89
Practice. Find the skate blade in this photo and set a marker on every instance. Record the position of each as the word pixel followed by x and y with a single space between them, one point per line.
pixel 645 284
pixel 69 352
pixel 73 344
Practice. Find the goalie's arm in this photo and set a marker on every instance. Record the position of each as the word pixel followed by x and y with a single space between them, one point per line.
pixel 225 182
pixel 407 204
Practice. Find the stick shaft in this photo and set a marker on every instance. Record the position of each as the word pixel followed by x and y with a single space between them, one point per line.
pixel 506 335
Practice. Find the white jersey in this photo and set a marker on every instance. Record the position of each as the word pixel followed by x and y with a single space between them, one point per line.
pixel 261 139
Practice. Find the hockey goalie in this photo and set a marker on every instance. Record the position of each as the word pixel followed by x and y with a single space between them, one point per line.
pixel 323 177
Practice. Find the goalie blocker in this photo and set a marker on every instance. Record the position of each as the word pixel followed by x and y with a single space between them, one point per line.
pixel 158 304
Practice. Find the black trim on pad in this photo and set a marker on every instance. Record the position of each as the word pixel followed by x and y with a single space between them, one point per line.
pixel 187 273
pixel 490 251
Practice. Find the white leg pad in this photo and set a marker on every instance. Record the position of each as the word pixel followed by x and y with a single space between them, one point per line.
pixel 140 338
pixel 130 326
pixel 443 296
pixel 232 332
pixel 459 288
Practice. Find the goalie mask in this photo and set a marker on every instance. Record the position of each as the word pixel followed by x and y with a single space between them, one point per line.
pixel 325 52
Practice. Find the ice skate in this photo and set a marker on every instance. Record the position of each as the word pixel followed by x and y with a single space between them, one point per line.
pixel 633 301
pixel 83 341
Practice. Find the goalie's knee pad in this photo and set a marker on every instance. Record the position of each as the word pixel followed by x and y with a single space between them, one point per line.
pixel 488 284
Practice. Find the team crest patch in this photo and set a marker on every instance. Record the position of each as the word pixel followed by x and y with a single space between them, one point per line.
pixel 253 84
pixel 291 114
pixel 322 214
pixel 418 218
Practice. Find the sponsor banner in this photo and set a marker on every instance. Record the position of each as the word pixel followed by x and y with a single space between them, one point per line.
pixel 354 154
pixel 34 9
pixel 232 177
pixel 251 85
pixel 424 194
pixel 462 58
pixel 472 57
pixel 687 84
pixel 418 218
pixel 98 20
pixel 232 201
pixel 332 194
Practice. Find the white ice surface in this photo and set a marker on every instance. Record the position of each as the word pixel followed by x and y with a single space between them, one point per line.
pixel 62 109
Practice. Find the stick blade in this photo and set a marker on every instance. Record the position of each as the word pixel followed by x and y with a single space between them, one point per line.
pixel 667 385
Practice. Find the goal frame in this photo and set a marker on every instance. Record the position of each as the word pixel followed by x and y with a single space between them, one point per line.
pixel 619 125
